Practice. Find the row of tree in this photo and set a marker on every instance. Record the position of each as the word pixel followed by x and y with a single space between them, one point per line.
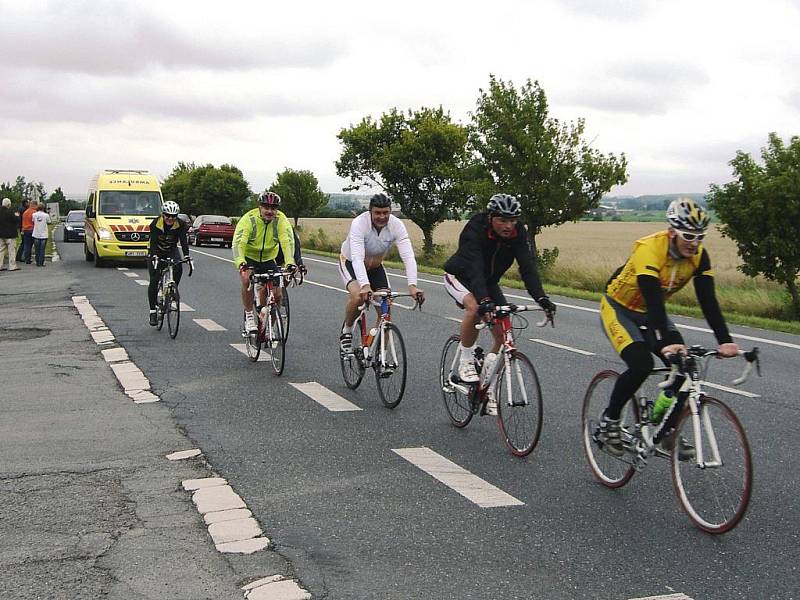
pixel 22 189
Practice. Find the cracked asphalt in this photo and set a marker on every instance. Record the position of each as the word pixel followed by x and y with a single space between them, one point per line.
pixel 89 505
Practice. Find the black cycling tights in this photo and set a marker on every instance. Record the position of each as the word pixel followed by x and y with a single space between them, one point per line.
pixel 640 362
pixel 155 276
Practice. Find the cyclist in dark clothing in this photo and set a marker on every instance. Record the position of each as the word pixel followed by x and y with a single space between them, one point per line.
pixel 165 233
pixel 487 247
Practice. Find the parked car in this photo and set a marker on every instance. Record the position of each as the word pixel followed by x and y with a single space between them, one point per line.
pixel 211 229
pixel 74 226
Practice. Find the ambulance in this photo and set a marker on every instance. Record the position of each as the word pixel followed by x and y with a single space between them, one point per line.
pixel 119 208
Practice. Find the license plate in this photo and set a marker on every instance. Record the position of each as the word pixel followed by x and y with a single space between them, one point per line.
pixel 216 239
pixel 136 253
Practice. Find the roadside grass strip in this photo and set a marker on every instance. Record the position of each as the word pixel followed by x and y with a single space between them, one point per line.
pixel 472 487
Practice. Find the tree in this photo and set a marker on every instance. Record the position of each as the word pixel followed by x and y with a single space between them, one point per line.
pixel 299 192
pixel 760 211
pixel 207 189
pixel 419 159
pixel 554 173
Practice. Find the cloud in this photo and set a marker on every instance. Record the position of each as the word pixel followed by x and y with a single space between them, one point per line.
pixel 115 38
pixel 619 10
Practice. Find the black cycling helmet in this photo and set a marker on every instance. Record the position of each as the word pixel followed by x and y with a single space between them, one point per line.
pixel 269 199
pixel 687 215
pixel 504 205
pixel 380 201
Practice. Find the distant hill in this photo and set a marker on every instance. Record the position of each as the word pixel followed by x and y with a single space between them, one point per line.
pixel 649 202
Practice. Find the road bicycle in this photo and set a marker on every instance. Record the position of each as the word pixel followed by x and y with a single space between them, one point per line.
pixel 168 299
pixel 269 320
pixel 381 348
pixel 714 477
pixel 512 377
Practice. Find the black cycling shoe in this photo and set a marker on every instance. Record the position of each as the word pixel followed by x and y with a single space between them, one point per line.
pixel 153 319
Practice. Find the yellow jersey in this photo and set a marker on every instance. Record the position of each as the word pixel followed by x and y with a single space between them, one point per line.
pixel 651 256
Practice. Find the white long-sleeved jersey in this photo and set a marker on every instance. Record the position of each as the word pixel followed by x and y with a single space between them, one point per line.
pixel 364 242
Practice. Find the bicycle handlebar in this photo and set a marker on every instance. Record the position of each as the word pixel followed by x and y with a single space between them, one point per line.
pixel 419 299
pixel 172 262
pixel 515 308
pixel 678 363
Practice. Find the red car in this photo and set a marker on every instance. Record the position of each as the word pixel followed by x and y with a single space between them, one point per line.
pixel 211 229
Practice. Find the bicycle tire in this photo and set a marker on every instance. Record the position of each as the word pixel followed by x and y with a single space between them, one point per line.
pixel 173 306
pixel 390 370
pixel 252 341
pixel 703 492
pixel 285 312
pixel 458 405
pixel 609 470
pixel 520 422
pixel 276 341
pixel 353 366
pixel 160 307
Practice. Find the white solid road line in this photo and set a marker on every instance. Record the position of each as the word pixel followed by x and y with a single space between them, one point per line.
pixel 263 357
pixel 667 597
pixel 472 487
pixel 323 396
pixel 209 325
pixel 570 348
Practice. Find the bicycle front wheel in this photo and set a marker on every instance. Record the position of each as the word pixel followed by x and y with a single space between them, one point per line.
pixel 276 340
pixel 353 365
pixel 160 307
pixel 284 312
pixel 609 470
pixel 715 493
pixel 252 342
pixel 173 307
pixel 390 365
pixel 519 404
pixel 457 403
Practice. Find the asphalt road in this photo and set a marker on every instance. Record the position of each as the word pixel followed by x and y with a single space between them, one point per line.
pixel 358 521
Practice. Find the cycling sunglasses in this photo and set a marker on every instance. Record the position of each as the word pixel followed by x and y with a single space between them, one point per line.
pixel 688 236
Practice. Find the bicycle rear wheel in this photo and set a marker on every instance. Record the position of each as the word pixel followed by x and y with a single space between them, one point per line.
pixel 276 342
pixel 353 365
pixel 173 308
pixel 457 404
pixel 519 404
pixel 390 366
pixel 715 494
pixel 609 470
pixel 252 341
pixel 284 312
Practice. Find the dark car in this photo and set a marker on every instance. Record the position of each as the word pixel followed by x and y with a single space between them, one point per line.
pixel 211 229
pixel 74 226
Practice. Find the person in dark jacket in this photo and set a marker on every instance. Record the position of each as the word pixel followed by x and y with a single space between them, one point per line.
pixel 165 233
pixel 8 236
pixel 487 247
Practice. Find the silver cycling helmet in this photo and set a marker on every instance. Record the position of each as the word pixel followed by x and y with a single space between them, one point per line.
pixel 170 208
pixel 504 205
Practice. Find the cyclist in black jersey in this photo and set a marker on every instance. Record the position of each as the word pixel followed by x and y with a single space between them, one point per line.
pixel 165 233
pixel 487 247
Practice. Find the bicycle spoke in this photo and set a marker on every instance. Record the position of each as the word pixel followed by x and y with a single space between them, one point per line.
pixel 519 404
pixel 456 402
pixel 173 307
pixel 353 366
pixel 715 493
pixel 276 342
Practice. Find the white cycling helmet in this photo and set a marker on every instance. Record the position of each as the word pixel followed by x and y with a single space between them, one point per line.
pixel 687 215
pixel 170 208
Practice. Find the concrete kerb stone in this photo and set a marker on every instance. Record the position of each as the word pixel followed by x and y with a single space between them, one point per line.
pixel 226 515
pixel 243 547
pixel 285 589
pixel 213 499
pixel 115 355
pixel 234 531
pixel 184 454
pixel 262 581
pixel 191 485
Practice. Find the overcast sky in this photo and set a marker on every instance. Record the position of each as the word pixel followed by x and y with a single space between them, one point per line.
pixel 677 86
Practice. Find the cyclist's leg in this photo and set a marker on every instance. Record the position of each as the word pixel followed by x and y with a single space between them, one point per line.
pixel 177 270
pixel 152 291
pixel 379 282
pixel 247 290
pixel 348 276
pixel 500 300
pixel 469 335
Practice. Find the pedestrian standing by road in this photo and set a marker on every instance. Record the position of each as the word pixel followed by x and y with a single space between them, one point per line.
pixel 41 219
pixel 8 236
pixel 20 211
pixel 27 229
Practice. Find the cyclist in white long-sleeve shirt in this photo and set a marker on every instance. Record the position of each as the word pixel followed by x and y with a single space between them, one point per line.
pixel 371 235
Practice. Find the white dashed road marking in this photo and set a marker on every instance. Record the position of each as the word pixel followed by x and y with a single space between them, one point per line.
pixel 186 308
pixel 263 357
pixel 130 274
pixel 322 395
pixel 570 348
pixel 142 281
pixel 122 268
pixel 472 487
pixel 209 325
pixel 667 597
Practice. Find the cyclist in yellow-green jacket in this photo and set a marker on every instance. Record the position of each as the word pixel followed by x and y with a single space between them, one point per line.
pixel 260 234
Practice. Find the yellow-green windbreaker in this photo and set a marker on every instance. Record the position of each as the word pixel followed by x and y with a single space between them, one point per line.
pixel 257 240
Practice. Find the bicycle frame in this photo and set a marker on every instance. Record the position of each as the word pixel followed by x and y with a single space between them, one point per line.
pixel 268 280
pixel 369 347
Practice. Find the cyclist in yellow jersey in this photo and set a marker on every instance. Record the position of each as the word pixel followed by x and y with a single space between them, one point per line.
pixel 659 266
pixel 259 235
